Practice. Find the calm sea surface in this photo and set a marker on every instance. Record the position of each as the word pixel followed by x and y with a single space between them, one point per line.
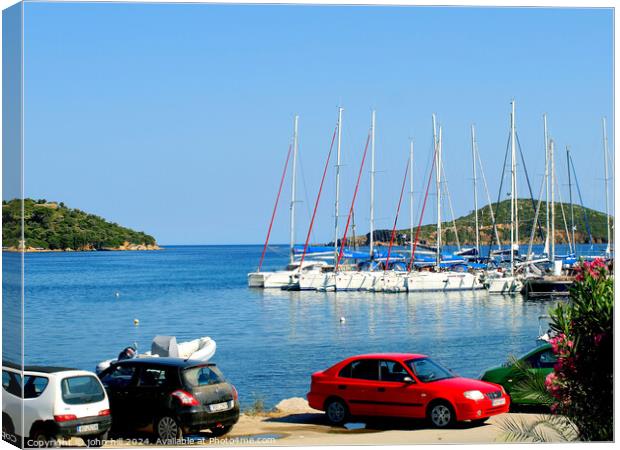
pixel 269 342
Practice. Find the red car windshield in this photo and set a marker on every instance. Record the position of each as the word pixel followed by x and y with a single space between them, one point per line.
pixel 428 370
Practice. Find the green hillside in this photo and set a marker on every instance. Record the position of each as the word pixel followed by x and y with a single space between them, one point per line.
pixel 466 225
pixel 54 226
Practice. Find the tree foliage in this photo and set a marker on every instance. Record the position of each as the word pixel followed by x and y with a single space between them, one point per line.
pixel 596 221
pixel 53 226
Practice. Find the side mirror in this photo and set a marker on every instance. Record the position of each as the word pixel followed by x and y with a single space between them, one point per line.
pixel 408 380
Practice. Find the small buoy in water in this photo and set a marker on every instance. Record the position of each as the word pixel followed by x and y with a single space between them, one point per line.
pixel 117 294
pixel 343 320
pixel 136 322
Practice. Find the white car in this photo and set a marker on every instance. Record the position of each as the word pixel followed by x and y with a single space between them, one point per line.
pixel 57 403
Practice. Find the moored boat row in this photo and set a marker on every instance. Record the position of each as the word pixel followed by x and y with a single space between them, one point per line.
pixel 337 267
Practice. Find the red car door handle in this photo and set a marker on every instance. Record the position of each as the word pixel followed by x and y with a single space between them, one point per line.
pixel 381 389
pixel 342 387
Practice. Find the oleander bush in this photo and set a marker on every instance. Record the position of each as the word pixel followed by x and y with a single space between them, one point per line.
pixel 579 392
pixel 582 381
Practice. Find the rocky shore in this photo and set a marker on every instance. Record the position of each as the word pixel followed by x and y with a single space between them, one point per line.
pixel 126 246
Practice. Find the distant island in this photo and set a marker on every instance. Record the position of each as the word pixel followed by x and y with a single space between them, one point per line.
pixel 52 226
pixel 584 218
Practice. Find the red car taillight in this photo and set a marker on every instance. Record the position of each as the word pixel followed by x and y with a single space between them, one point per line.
pixel 235 393
pixel 185 398
pixel 104 412
pixel 65 417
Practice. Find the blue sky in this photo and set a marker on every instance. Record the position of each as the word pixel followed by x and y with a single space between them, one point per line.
pixel 175 119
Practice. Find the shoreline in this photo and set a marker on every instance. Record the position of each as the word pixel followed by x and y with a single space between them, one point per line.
pixel 122 248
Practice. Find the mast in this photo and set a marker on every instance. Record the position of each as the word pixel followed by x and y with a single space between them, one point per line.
pixel 513 203
pixel 372 184
pixel 546 183
pixel 473 158
pixel 343 243
pixel 353 230
pixel 608 249
pixel 337 204
pixel 393 235
pixel 437 142
pixel 570 200
pixel 552 163
pixel 294 186
pixel 411 194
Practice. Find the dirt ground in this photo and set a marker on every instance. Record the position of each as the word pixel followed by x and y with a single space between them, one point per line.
pixel 295 423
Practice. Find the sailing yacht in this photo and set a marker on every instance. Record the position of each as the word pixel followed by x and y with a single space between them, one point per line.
pixel 284 278
pixel 508 282
pixel 324 279
pixel 438 279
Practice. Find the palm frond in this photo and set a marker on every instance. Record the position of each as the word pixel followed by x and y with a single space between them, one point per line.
pixel 563 427
pixel 544 428
pixel 530 383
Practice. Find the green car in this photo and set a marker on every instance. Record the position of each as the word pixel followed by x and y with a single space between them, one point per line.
pixel 541 359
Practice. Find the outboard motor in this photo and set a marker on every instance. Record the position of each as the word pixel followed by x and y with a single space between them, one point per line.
pixel 127 353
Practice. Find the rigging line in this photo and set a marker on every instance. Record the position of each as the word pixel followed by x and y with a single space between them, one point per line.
pixel 400 200
pixel 277 250
pixel 303 180
pixel 318 198
pixel 570 196
pixel 533 231
pixel 557 184
pixel 417 233
pixel 357 185
pixel 275 208
pixel 428 163
pixel 499 194
pixel 585 213
pixel 486 188
pixel 529 186
pixel 445 183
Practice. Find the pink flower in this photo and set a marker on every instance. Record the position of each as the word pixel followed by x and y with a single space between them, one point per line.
pixel 568 363
pixel 598 263
pixel 554 408
pixel 598 338
pixel 579 277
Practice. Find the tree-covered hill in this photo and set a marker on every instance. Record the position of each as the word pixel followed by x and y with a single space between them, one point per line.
pixel 465 225
pixel 54 226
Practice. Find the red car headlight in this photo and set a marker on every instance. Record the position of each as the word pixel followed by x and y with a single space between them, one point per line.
pixel 473 395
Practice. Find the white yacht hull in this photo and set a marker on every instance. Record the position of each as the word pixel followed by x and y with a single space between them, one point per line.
pixel 390 282
pixel 356 280
pixel 504 285
pixel 442 281
pixel 317 281
pixel 278 280
pixel 256 279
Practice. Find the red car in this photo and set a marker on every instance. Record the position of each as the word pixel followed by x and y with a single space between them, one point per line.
pixel 403 385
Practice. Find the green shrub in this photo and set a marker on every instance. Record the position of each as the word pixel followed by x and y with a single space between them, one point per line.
pixel 582 381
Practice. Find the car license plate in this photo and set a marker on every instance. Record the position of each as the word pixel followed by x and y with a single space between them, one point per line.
pixel 498 402
pixel 90 427
pixel 214 407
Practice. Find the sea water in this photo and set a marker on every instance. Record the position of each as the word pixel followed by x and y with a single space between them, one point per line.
pixel 81 306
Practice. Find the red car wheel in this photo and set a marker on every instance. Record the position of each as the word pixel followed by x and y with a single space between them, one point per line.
pixel 336 411
pixel 441 414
